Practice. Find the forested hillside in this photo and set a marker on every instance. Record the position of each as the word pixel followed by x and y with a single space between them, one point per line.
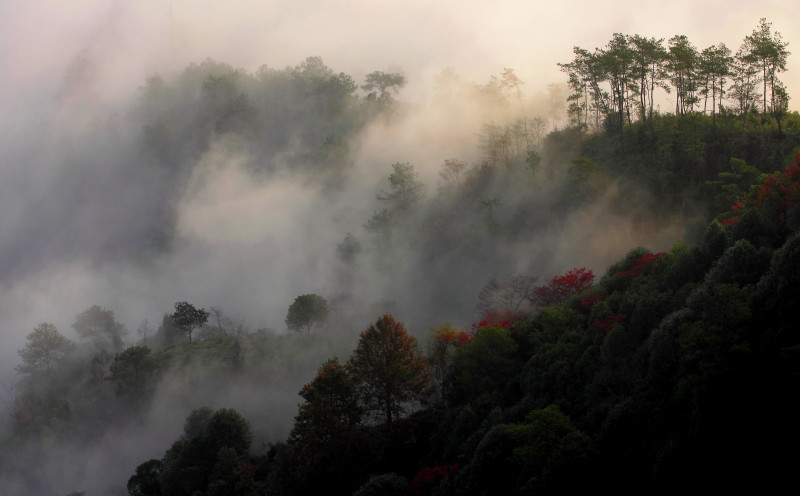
pixel 602 305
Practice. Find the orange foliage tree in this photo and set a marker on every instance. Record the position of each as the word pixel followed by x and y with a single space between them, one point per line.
pixel 388 372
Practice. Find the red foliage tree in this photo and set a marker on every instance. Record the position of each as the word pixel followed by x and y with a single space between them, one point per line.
pixel 777 194
pixel 451 335
pixel 640 266
pixel 427 477
pixel 589 301
pixel 559 288
pixel 506 319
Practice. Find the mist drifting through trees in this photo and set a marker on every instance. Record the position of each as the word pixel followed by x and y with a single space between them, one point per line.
pixel 196 238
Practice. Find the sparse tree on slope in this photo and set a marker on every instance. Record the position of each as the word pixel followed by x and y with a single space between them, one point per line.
pixel 306 311
pixel 188 319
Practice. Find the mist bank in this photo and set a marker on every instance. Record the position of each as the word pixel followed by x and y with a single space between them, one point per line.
pixel 234 190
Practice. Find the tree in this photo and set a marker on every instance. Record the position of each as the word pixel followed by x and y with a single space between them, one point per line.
pixel 560 288
pixel 210 438
pixel 45 349
pixel 683 65
pixel 98 325
pixel 380 85
pixel 745 79
pixel 509 80
pixel 306 311
pixel 616 61
pixel 187 318
pixel 405 190
pixel 451 170
pixel 715 67
pixel 484 365
pixel 348 250
pixel 766 52
pixel 147 479
pixel 144 331
pixel 444 342
pixel 133 371
pixel 326 426
pixel 647 71
pixel 330 407
pixel 388 372
pixel 511 295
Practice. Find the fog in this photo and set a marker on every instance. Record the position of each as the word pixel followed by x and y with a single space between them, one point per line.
pixel 83 213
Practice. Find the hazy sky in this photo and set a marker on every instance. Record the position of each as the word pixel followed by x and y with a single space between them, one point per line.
pixel 476 37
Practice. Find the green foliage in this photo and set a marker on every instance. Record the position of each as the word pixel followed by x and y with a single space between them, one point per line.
pixel 147 479
pixel 98 325
pixel 44 350
pixel 385 485
pixel 587 179
pixel 485 365
pixel 733 186
pixel 491 470
pixel 134 372
pixel 188 319
pixel 380 85
pixel 550 451
pixel 405 189
pixel 330 409
pixel 306 311
pixel 741 264
pixel 212 441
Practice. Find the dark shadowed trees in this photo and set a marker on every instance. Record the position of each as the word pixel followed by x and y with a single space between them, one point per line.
pixel 133 372
pixel 212 440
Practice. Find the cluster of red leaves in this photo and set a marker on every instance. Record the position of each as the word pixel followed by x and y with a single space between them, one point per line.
pixel 559 288
pixel 589 301
pixel 459 338
pixel 427 478
pixel 608 323
pixel 505 319
pixel 779 191
pixel 640 266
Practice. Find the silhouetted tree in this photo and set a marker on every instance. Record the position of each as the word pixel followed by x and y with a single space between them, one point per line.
pixel 306 311
pixel 188 319
pixel 388 372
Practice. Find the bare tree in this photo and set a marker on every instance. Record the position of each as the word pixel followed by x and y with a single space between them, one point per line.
pixel 143 331
pixel 510 295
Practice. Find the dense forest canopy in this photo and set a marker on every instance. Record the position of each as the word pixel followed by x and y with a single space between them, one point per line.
pixel 492 327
